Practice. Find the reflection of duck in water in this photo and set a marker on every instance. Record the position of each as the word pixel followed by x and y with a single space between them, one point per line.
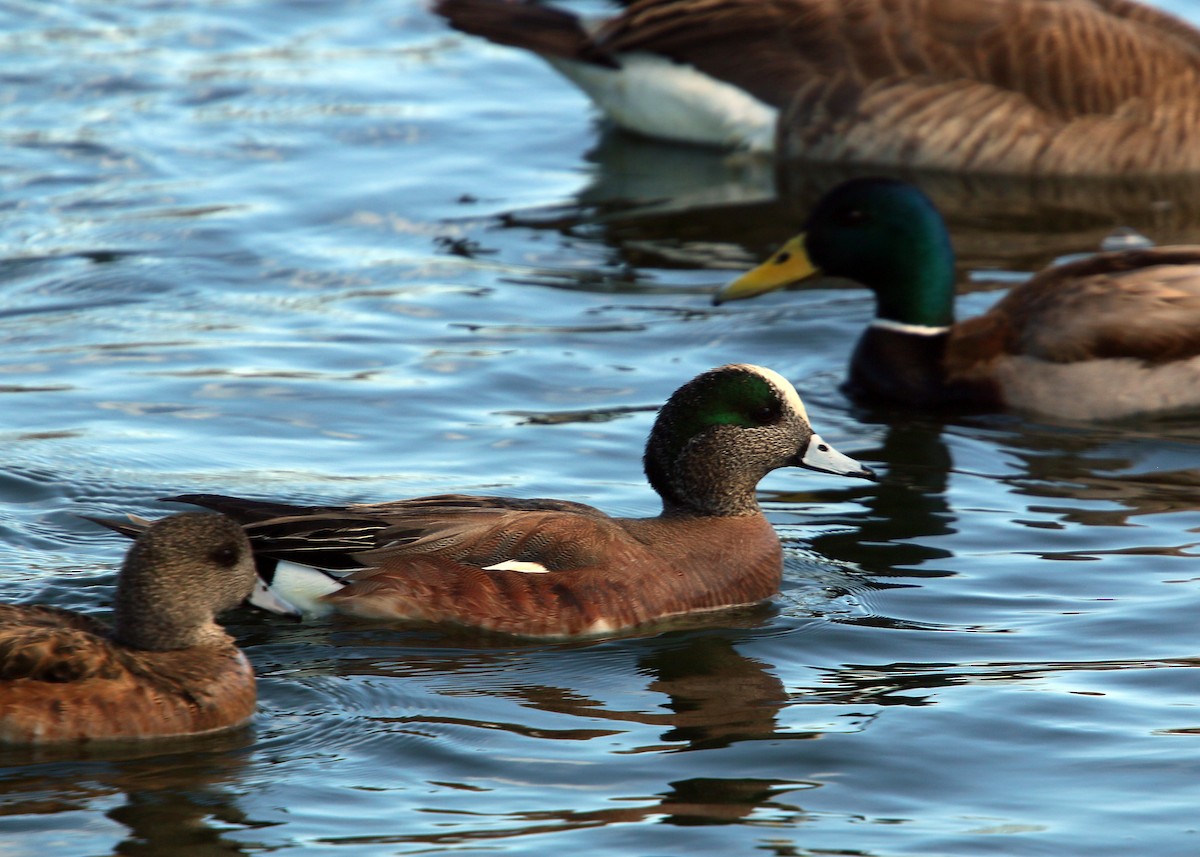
pixel 1107 87
pixel 189 795
pixel 1104 337
pixel 165 669
pixel 549 568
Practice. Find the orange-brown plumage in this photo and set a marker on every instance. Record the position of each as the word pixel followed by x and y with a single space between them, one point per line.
pixel 634 572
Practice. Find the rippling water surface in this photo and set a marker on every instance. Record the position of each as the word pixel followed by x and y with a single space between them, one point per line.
pixel 318 250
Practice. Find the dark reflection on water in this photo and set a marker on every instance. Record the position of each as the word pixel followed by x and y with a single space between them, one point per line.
pixel 908 502
pixel 688 803
pixel 178 797
pixel 1109 466
pixel 665 206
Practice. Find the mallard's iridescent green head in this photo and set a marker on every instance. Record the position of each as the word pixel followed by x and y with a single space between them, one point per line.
pixel 887 235
pixel 726 429
pixel 883 233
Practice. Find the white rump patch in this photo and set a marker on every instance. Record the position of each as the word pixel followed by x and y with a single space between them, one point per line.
pixel 305 587
pixel 659 98
pixel 518 565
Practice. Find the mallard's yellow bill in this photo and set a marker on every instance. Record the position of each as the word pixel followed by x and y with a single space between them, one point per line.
pixel 790 264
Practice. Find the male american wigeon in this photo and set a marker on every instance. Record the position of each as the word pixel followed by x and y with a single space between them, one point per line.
pixel 554 568
pixel 1031 87
pixel 165 668
pixel 1108 336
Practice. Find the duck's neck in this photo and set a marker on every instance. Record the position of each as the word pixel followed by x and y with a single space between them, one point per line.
pixel 721 507
pixel 918 297
pixel 893 362
pixel 167 631
pixel 700 489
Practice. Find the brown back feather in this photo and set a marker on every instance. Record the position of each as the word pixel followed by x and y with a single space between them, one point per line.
pixel 52 645
pixel 1141 304
pixel 479 531
pixel 774 47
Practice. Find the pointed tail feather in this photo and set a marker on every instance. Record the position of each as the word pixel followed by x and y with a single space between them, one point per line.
pixel 544 30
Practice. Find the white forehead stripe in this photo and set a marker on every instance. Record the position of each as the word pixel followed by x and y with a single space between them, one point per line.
pixel 780 383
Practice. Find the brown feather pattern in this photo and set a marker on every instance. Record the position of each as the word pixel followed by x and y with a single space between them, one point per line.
pixel 1066 87
pixel 1138 304
pixel 636 573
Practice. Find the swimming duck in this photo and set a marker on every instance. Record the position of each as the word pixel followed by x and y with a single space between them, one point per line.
pixel 1065 87
pixel 165 668
pixel 1104 337
pixel 555 568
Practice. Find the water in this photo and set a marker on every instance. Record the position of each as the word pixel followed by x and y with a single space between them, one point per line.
pixel 334 251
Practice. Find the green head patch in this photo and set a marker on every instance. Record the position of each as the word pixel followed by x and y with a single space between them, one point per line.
pixel 741 396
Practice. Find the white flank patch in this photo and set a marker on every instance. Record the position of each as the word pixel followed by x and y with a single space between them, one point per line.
pixel 304 586
pixel 914 329
pixel 518 565
pixel 782 384
pixel 659 98
pixel 600 626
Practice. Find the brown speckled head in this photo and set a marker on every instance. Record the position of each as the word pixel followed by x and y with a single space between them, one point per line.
pixel 178 576
pixel 168 669
pixel 722 432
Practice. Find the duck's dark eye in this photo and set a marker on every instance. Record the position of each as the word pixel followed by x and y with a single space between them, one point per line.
pixel 765 414
pixel 226 555
pixel 851 217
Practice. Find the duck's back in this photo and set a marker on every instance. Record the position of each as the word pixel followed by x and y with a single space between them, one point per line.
pixel 1108 336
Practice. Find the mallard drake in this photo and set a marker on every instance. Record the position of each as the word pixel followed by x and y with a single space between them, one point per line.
pixel 165 668
pixel 1104 337
pixel 555 568
pixel 1066 87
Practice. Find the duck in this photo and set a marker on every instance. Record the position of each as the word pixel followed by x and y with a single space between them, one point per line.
pixel 164 668
pixel 548 568
pixel 1103 337
pixel 1034 87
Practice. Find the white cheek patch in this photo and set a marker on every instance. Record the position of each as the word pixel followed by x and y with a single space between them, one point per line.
pixel 518 565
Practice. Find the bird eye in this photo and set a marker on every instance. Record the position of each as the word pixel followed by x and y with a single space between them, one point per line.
pixel 226 555
pixel 765 414
pixel 852 217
